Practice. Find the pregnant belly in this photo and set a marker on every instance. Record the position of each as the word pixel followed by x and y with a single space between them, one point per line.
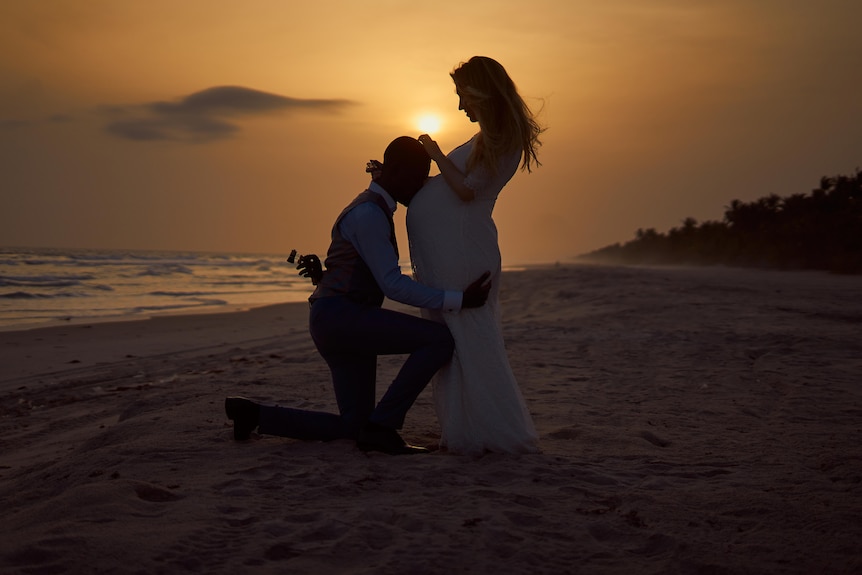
pixel 451 242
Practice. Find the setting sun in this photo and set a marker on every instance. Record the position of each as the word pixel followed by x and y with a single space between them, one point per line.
pixel 428 123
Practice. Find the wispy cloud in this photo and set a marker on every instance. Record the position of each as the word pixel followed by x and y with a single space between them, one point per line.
pixel 205 116
pixel 13 124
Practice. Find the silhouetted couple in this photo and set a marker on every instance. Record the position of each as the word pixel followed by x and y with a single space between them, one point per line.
pixel 453 247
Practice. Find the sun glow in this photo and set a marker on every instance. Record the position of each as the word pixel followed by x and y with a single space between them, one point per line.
pixel 428 123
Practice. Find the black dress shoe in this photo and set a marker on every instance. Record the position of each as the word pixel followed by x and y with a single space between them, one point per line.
pixel 245 415
pixel 374 437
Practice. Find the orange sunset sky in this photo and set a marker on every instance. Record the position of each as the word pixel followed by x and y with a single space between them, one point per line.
pixel 116 130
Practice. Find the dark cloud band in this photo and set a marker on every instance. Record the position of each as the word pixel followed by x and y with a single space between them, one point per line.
pixel 203 116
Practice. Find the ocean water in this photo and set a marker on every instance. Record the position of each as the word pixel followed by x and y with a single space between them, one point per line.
pixel 48 286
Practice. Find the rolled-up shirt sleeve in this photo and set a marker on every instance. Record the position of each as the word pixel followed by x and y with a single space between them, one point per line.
pixel 367 228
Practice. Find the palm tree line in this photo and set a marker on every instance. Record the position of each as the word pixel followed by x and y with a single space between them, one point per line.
pixel 820 231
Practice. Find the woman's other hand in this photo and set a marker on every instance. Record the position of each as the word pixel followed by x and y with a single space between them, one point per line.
pixel 431 147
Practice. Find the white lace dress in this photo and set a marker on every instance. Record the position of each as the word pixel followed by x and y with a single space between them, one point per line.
pixel 452 242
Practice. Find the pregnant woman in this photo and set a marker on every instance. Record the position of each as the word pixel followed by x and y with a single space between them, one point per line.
pixel 453 239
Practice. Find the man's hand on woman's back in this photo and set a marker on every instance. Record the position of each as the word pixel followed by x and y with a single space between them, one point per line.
pixel 477 292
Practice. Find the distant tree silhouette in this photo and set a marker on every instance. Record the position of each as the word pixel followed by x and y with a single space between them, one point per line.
pixel 822 230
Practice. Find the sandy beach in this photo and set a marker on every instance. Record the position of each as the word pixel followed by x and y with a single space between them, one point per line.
pixel 691 420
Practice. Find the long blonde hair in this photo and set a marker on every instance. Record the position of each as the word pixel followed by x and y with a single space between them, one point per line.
pixel 505 121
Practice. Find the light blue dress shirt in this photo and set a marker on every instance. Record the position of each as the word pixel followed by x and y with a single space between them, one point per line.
pixel 367 228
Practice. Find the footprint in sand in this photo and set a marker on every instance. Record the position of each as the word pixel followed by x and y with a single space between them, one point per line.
pixel 155 494
pixel 281 552
pixel 565 433
pixel 654 439
pixel 46 555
